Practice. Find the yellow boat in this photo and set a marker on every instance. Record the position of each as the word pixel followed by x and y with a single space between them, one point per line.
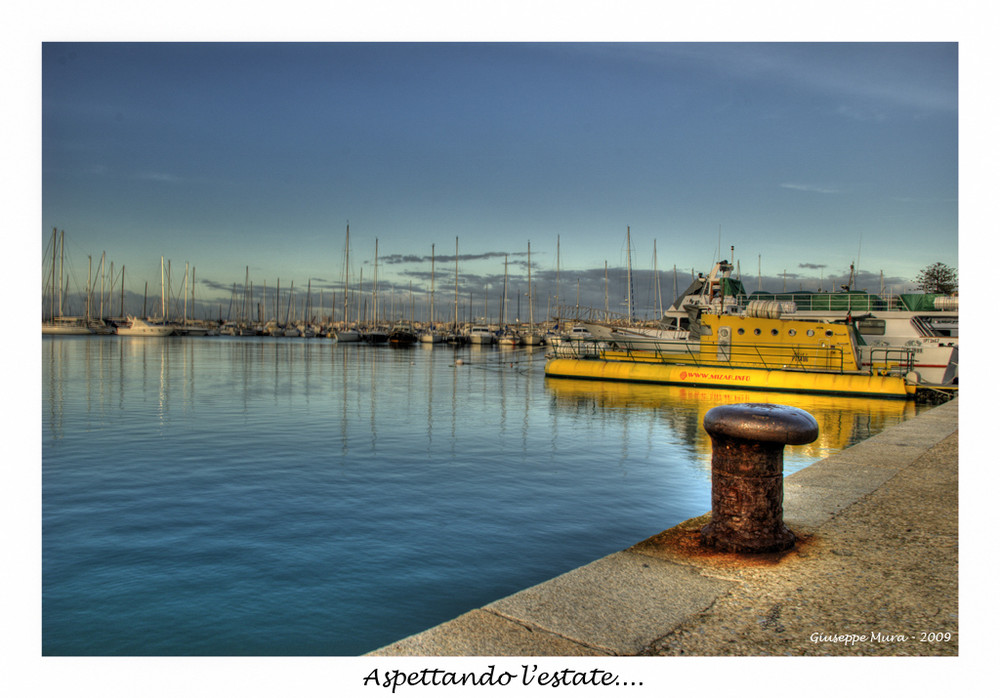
pixel 758 350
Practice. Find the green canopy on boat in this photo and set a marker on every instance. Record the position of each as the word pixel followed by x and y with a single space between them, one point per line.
pixel 733 287
pixel 919 302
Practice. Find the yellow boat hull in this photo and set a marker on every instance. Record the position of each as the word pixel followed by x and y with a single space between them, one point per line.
pixel 750 378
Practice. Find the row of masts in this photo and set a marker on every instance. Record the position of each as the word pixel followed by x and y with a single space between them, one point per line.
pixel 241 306
pixel 355 309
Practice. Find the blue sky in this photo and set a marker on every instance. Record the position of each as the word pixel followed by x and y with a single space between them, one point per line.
pixel 804 157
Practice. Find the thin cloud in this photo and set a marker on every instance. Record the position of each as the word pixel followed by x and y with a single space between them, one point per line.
pixel 812 188
pixel 157 177
pixel 419 259
pixel 869 76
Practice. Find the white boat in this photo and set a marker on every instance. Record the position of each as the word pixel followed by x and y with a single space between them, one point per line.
pixel 578 341
pixel 532 337
pixel 430 336
pixel 481 334
pixel 140 328
pixel 577 333
pixel 348 335
pixel 509 338
pixel 66 325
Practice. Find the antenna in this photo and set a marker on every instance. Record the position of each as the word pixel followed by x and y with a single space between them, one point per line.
pixel 859 252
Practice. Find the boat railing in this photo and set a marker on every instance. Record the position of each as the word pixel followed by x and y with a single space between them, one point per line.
pixel 828 359
pixel 891 361
pixel 853 302
pixel 578 348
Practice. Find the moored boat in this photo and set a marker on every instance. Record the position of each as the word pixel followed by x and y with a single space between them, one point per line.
pixel 765 353
pixel 481 334
pixel 66 325
pixel 926 324
pixel 402 334
pixel 923 325
pixel 138 327
pixel 348 335
pixel 509 338
pixel 376 335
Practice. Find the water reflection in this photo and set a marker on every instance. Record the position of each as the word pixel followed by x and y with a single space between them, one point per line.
pixel 843 421
pixel 94 378
pixel 309 497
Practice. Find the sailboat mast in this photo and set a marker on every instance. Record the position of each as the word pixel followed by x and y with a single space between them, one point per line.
pixel 163 296
pixel 347 268
pixel 432 286
pixel 361 280
pixel 503 303
pixel 557 280
pixel 628 257
pixel 375 287
pixel 607 313
pixel 62 250
pixel 88 286
pixel 675 285
pixel 456 284
pixel 52 275
pixel 531 302
pixel 656 276
pixel 102 286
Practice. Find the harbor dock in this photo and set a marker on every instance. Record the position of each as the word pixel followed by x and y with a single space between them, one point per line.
pixel 874 571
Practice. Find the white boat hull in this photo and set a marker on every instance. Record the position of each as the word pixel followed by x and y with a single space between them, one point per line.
pixel 140 328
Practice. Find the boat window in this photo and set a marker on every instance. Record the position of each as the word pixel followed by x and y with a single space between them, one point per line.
pixel 810 333
pixel 791 333
pixel 740 331
pixel 829 333
pixel 871 326
pixel 774 333
pixel 756 330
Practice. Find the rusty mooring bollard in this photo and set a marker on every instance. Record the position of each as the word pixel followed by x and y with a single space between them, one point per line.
pixel 748 441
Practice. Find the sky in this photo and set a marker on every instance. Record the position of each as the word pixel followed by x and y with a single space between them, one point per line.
pixel 248 161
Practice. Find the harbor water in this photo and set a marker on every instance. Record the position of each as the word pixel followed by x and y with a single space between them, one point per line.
pixel 272 496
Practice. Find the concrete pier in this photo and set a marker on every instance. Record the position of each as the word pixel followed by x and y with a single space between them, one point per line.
pixel 874 571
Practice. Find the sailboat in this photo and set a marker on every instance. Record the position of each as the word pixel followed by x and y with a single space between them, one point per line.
pixel 347 333
pixel 507 336
pixel 456 337
pixel 376 333
pixel 532 337
pixel 431 335
pixel 54 322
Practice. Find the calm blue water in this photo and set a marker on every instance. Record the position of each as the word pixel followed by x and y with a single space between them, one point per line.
pixel 255 496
